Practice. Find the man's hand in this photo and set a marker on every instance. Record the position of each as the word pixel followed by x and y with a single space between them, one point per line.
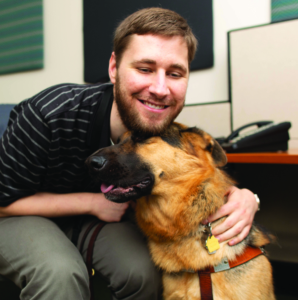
pixel 240 209
pixel 107 210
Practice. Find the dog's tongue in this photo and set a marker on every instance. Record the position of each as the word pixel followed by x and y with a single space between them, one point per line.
pixel 105 188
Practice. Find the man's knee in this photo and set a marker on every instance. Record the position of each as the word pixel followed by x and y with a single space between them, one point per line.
pixel 44 260
pixel 57 268
pixel 121 256
pixel 57 277
pixel 137 280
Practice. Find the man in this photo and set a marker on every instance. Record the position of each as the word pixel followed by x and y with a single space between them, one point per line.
pixel 44 182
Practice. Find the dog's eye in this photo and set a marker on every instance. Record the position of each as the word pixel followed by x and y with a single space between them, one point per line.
pixel 161 174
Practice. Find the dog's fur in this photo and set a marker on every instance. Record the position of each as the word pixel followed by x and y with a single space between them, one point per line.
pixel 178 181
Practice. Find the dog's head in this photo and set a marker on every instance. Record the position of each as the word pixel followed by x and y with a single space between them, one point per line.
pixel 139 166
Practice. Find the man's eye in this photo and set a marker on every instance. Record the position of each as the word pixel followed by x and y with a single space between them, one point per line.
pixel 144 70
pixel 175 75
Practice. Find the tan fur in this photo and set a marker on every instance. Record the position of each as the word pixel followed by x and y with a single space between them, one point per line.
pixel 189 187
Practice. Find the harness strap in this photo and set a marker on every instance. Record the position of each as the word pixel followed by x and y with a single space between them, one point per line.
pixel 99 225
pixel 91 225
pixel 91 246
pixel 205 275
pixel 205 285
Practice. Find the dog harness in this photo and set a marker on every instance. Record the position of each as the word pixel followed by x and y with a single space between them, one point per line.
pixel 99 225
pixel 205 275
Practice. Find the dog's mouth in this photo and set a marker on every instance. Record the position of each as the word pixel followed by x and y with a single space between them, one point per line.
pixel 123 193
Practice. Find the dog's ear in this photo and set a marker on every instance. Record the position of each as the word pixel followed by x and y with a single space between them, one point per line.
pixel 218 154
pixel 203 139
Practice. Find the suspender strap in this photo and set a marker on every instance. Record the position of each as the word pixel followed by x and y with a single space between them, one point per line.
pixel 205 275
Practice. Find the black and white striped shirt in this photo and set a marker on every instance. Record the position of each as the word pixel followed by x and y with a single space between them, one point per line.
pixel 47 140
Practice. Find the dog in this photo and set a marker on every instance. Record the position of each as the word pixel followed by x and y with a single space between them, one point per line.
pixel 177 181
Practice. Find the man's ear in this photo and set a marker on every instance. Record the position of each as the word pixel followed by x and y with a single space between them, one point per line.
pixel 112 68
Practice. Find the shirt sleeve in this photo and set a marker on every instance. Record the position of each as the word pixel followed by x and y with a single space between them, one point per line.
pixel 23 153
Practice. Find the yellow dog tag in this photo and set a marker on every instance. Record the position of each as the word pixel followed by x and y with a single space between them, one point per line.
pixel 212 244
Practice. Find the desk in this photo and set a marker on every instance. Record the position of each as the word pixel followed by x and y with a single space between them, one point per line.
pixel 287 157
pixel 273 176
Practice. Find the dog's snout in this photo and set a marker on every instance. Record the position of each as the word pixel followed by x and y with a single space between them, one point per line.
pixel 97 162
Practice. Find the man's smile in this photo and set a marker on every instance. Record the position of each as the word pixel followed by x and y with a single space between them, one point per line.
pixel 153 106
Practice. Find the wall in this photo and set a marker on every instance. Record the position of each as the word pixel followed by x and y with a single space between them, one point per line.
pixel 211 85
pixel 64 60
pixel 264 72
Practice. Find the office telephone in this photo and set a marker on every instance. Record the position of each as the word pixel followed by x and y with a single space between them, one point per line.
pixel 268 136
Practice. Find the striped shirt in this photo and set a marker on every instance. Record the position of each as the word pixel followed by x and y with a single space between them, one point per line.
pixel 48 139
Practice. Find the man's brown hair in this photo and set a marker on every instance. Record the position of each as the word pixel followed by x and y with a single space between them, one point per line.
pixel 154 20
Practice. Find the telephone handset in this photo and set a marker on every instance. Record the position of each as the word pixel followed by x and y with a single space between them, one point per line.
pixel 268 136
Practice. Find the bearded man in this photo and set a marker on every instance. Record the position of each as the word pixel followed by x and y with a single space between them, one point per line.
pixel 45 188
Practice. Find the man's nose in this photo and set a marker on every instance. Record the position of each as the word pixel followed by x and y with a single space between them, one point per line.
pixel 159 86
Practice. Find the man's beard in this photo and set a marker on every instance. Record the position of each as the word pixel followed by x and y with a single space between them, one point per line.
pixel 131 119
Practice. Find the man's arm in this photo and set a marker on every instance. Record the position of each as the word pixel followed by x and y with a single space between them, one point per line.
pixel 58 205
pixel 240 209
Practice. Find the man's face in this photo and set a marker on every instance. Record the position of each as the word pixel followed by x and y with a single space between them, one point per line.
pixel 150 82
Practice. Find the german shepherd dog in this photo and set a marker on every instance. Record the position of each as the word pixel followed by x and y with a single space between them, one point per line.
pixel 178 182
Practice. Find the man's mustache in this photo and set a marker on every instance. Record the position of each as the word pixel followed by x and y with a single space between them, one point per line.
pixel 151 98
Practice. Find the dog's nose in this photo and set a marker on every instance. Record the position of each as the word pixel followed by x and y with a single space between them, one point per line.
pixel 97 162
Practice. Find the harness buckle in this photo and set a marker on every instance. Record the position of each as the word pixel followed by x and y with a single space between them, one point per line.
pixel 222 266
